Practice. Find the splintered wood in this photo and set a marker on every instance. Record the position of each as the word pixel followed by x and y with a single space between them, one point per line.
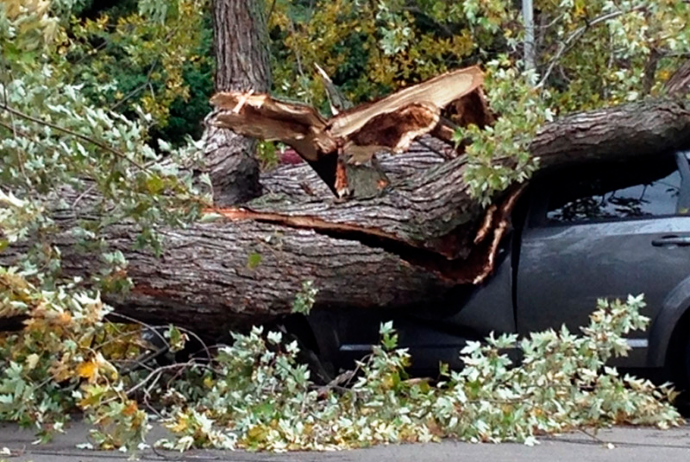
pixel 355 135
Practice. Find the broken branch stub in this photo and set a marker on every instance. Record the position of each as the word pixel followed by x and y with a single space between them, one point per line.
pixel 678 85
pixel 355 135
pixel 337 100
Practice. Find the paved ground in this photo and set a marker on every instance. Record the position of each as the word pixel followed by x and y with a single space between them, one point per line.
pixel 630 445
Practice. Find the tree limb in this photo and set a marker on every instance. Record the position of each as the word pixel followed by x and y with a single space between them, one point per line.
pixel 67 131
pixel 570 41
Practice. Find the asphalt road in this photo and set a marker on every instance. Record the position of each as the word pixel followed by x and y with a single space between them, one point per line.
pixel 629 445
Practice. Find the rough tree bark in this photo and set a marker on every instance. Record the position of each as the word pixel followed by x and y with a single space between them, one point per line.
pixel 205 279
pixel 678 84
pixel 242 63
pixel 414 245
pixel 431 218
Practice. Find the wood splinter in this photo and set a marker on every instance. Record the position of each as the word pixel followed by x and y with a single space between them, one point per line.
pixel 354 135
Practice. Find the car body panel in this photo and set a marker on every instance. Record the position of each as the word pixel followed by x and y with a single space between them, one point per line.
pixel 661 330
pixel 490 306
pixel 566 267
pixel 565 270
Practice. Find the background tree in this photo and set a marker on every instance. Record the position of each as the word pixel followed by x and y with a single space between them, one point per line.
pixel 115 53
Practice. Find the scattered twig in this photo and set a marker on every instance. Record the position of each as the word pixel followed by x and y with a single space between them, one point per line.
pixel 154 373
pixel 432 149
pixel 298 57
pixel 13 128
pixel 336 384
pixel 441 25
pixel 91 54
pixel 155 329
pixel 551 24
pixel 594 437
pixel 82 195
pixel 140 361
pixel 270 11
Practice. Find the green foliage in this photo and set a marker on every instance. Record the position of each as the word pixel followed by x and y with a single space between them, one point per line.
pixel 187 113
pixel 260 397
pixel 55 143
pixel 52 137
pixel 117 53
pixel 257 396
pixel 498 155
pixel 369 48
pixel 602 52
pixel 589 54
pixel 176 339
pixel 254 260
pixel 267 153
pixel 305 298
pixel 63 361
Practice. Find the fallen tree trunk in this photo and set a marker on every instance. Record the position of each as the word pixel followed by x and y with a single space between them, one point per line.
pixel 429 217
pixel 414 244
pixel 212 277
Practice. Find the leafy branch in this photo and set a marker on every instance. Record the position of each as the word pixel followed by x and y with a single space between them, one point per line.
pixel 571 40
pixel 80 136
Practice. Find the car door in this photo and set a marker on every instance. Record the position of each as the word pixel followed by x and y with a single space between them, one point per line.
pixel 603 230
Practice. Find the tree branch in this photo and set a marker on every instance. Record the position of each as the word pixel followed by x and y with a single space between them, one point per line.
pixel 67 131
pixel 570 41
pixel 678 84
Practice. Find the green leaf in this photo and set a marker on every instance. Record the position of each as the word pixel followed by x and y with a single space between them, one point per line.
pixel 155 184
pixel 254 260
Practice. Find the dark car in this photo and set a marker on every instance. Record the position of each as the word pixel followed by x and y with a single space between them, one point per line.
pixel 599 230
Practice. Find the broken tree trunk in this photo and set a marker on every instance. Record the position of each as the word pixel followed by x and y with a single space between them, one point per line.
pixel 430 217
pixel 412 246
pixel 213 277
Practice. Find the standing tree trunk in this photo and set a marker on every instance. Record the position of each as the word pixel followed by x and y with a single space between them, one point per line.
pixel 241 49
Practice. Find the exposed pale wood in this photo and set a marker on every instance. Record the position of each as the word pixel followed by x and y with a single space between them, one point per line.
pixel 357 134
pixel 439 91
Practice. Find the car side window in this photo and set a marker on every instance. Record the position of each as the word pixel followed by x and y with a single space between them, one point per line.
pixel 615 191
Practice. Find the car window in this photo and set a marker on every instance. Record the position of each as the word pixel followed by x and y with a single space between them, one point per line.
pixel 615 191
